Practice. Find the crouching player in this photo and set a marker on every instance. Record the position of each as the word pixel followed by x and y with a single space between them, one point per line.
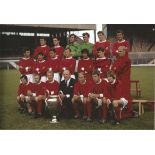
pixel 117 100
pixel 98 96
pixel 52 100
pixel 80 97
pixel 23 89
pixel 36 96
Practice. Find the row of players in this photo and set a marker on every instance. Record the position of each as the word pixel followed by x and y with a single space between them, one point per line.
pixel 73 98
pixel 76 48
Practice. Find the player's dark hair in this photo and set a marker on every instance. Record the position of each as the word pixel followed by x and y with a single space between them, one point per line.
pixel 42 38
pixel 100 49
pixel 72 35
pixel 120 31
pixel 53 49
pixel 68 49
pixel 40 53
pixel 26 49
pixel 85 50
pixel 100 32
pixel 111 74
pixel 58 38
pixel 96 72
pixel 86 34
pixel 24 77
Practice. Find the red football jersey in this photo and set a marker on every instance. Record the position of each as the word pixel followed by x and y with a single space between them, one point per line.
pixel 82 89
pixel 40 67
pixel 23 88
pixel 52 88
pixel 39 88
pixel 103 65
pixel 26 66
pixel 117 44
pixel 43 49
pixel 116 90
pixel 68 63
pixel 53 64
pixel 101 88
pixel 104 44
pixel 59 51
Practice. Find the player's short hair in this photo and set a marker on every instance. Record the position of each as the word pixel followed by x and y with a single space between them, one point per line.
pixel 120 31
pixel 85 50
pixel 24 77
pixel 53 49
pixel 37 75
pixel 51 72
pixel 86 34
pixel 68 49
pixel 26 49
pixel 96 72
pixel 82 73
pixel 100 49
pixel 72 35
pixel 42 38
pixel 100 32
pixel 58 38
pixel 67 70
pixel 40 53
pixel 111 74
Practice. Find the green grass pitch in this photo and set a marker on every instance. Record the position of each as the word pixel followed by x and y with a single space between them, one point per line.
pixel 10 118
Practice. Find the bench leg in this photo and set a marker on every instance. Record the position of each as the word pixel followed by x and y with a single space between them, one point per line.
pixel 140 108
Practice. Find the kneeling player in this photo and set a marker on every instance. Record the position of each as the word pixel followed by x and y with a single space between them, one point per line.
pixel 22 97
pixel 80 98
pixel 98 96
pixel 117 101
pixel 52 100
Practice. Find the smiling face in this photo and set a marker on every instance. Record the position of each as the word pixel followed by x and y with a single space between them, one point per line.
pixel 27 54
pixel 67 53
pixel 81 78
pixel 96 78
pixel 56 42
pixel 50 75
pixel 119 36
pixel 42 42
pixel 66 74
pixel 86 38
pixel 101 37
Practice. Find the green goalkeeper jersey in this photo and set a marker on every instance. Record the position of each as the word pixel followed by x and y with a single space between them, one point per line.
pixel 88 46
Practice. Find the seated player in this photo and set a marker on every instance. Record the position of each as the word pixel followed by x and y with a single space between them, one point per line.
pixel 85 64
pixel 26 65
pixel 68 63
pixel 102 64
pixel 117 98
pixel 98 96
pixel 52 100
pixel 37 95
pixel 22 97
pixel 66 94
pixel 53 64
pixel 40 67
pixel 80 97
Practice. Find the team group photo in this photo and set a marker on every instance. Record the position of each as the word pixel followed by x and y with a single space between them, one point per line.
pixel 77 76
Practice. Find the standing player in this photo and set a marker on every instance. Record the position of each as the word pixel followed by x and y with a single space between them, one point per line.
pixel 43 48
pixel 68 63
pixel 59 49
pixel 80 97
pixel 117 100
pixel 103 43
pixel 53 64
pixel 74 46
pixel 26 65
pixel 86 44
pixel 102 64
pixel 98 96
pixel 40 67
pixel 22 96
pixel 66 93
pixel 122 68
pixel 52 98
pixel 121 44
pixel 85 64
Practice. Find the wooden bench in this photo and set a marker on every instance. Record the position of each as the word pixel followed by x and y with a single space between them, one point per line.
pixel 141 105
pixel 137 87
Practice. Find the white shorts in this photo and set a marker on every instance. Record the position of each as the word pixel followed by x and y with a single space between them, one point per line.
pixel 72 76
pixel 124 102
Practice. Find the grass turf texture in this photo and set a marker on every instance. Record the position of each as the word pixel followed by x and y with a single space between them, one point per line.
pixel 10 118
